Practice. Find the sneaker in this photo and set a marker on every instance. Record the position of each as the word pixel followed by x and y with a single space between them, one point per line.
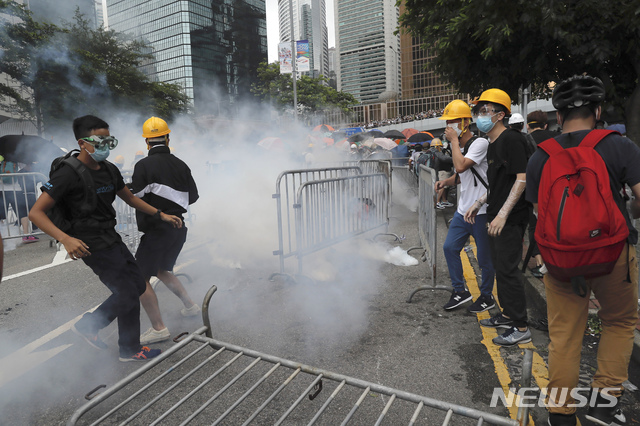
pixel 457 299
pixel 447 204
pixel 498 321
pixel 556 419
pixel 536 272
pixel 190 312
pixel 512 337
pixel 482 303
pixel 152 336
pixel 30 239
pixel 602 415
pixel 145 354
pixel 92 339
pixel 439 206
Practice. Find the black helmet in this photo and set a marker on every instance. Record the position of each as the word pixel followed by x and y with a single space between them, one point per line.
pixel 578 91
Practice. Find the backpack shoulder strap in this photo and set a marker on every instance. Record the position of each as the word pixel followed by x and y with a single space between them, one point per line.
pixel 468 144
pixel 595 136
pixel 550 146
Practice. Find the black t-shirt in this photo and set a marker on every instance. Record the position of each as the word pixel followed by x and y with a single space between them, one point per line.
pixel 506 157
pixel 65 187
pixel 621 156
pixel 542 135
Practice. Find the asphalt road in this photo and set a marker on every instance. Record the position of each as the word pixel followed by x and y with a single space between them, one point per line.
pixel 352 320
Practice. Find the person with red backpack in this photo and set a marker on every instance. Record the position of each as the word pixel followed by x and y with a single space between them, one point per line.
pixel 586 239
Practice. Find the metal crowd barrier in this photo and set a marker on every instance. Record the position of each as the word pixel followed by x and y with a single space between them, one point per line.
pixel 427 229
pixel 332 210
pixel 201 380
pixel 19 192
pixel 287 186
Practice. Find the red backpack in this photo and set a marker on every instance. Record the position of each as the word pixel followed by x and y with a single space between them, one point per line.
pixel 581 231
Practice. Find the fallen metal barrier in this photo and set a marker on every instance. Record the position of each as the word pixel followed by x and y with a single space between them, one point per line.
pixel 427 229
pixel 287 186
pixel 19 192
pixel 201 380
pixel 127 225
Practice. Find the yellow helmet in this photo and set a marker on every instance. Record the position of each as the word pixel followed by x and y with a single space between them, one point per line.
pixel 155 127
pixel 119 159
pixel 495 96
pixel 456 109
pixel 436 142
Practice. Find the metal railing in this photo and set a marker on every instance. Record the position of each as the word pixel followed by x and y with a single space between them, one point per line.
pixel 201 380
pixel 19 192
pixel 331 210
pixel 427 229
pixel 287 185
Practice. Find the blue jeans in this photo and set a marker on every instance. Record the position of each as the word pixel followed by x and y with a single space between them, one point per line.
pixel 459 232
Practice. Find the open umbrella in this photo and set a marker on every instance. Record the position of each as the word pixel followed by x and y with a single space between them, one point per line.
pixel 323 128
pixel 358 137
pixel 394 134
pixel 428 133
pixel 385 143
pixel 272 144
pixel 419 137
pixel 408 132
pixel 375 133
pixel 28 149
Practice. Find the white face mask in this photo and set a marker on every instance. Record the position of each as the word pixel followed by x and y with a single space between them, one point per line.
pixel 456 127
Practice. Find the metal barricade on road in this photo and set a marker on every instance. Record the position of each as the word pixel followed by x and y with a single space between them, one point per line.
pixel 427 229
pixel 19 192
pixel 201 380
pixel 287 185
pixel 331 210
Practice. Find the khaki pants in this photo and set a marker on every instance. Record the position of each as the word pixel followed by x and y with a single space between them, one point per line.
pixel 567 313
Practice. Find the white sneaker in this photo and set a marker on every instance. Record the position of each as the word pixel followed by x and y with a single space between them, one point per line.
pixel 153 336
pixel 190 312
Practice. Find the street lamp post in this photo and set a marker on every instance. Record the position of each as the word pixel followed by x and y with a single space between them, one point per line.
pixel 294 58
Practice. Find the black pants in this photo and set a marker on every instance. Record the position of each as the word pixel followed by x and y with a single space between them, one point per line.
pixel 533 220
pixel 117 269
pixel 506 254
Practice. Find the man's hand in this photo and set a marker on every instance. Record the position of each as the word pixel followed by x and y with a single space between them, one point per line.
pixel 439 185
pixel 495 227
pixel 75 248
pixel 451 135
pixel 173 220
pixel 470 215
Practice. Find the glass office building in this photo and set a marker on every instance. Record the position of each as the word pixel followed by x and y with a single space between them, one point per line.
pixel 210 47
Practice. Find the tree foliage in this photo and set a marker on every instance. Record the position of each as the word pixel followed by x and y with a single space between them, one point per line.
pixel 75 70
pixel 515 43
pixel 313 94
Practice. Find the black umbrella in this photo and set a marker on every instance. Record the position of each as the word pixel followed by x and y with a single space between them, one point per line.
pixel 394 134
pixel 358 137
pixel 28 149
pixel 420 137
pixel 375 134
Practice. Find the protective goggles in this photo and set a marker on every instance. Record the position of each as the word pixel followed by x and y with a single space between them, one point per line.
pixel 101 141
pixel 485 110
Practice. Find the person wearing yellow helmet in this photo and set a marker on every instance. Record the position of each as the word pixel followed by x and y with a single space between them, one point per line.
pixel 507 213
pixel 119 161
pixel 469 155
pixel 165 182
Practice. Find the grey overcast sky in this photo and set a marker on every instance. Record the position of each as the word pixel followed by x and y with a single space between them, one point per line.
pixel 273 37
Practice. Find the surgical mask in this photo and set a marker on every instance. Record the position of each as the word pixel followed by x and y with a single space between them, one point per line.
pixel 484 123
pixel 100 153
pixel 456 127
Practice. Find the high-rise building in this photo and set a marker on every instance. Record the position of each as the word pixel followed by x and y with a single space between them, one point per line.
pixel 368 50
pixel 309 23
pixel 56 11
pixel 210 47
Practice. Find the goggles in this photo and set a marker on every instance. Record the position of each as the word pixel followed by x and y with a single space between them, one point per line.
pixel 101 141
pixel 486 110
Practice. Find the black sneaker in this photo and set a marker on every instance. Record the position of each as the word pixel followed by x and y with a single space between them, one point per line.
pixel 457 299
pixel 482 303
pixel 603 414
pixel 498 321
pixel 92 339
pixel 556 419
pixel 145 354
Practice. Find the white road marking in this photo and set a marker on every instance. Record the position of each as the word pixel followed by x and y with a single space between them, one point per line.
pixel 59 259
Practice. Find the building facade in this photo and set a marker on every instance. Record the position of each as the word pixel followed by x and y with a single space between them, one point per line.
pixel 309 23
pixel 368 51
pixel 210 47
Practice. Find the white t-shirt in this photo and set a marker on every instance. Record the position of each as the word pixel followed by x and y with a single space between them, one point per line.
pixel 469 191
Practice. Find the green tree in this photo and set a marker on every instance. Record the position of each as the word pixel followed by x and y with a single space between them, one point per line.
pixel 515 43
pixel 313 94
pixel 66 72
